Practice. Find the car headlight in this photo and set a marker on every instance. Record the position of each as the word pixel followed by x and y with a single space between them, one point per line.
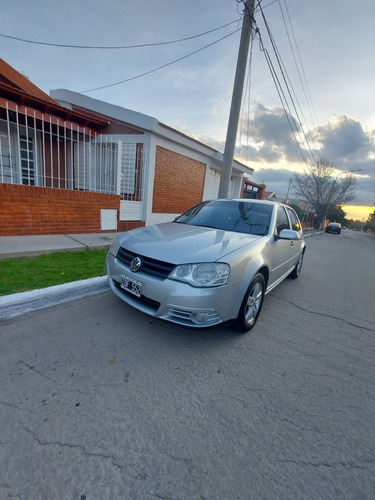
pixel 113 249
pixel 202 275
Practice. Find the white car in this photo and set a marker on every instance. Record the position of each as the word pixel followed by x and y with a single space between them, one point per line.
pixel 212 264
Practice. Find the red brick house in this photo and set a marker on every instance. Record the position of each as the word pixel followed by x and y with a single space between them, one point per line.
pixel 73 164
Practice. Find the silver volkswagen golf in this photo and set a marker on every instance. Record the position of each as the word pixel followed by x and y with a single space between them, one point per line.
pixel 214 263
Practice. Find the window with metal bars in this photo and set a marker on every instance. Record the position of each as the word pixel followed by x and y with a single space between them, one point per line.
pixel 40 150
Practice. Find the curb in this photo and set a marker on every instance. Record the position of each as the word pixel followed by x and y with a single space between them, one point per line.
pixel 21 303
pixel 308 235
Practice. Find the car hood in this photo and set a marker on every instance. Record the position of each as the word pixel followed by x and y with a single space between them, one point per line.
pixel 182 243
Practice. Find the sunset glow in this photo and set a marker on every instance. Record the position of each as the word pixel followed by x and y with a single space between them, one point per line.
pixel 357 212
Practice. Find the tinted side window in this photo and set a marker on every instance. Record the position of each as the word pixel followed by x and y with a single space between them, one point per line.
pixel 282 220
pixel 296 226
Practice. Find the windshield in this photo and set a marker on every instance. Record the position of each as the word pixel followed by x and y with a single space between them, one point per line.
pixel 238 216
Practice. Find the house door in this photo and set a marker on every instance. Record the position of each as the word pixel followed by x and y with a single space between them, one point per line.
pixel 211 185
pixel 132 161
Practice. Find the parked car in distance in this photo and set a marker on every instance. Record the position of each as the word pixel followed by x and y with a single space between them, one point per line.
pixel 333 227
pixel 212 264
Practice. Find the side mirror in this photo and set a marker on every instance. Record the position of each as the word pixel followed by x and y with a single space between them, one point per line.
pixel 289 234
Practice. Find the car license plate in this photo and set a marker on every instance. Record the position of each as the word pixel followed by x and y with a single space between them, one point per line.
pixel 132 286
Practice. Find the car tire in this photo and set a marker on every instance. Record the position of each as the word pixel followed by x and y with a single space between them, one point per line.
pixel 251 304
pixel 298 267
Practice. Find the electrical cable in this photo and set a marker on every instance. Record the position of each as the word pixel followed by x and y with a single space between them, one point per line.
pixel 303 81
pixel 290 90
pixel 283 98
pixel 281 92
pixel 119 46
pixel 160 67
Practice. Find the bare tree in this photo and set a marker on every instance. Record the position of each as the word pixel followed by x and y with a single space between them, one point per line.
pixel 322 191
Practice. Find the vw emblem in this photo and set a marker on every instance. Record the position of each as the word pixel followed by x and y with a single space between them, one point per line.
pixel 135 264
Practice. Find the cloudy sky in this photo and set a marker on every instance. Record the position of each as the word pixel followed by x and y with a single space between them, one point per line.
pixel 325 49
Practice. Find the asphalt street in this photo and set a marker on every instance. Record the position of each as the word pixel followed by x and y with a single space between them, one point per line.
pixel 99 401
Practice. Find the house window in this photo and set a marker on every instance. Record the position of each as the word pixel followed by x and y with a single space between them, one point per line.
pixel 17 155
pixel 95 166
pixel 109 166
pixel 104 167
pixel 250 191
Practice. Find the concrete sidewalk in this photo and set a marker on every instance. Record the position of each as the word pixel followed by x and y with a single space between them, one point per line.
pixel 28 246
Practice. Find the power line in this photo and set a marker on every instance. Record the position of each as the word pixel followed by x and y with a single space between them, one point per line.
pixel 293 124
pixel 116 47
pixel 304 83
pixel 264 6
pixel 160 67
pixel 281 92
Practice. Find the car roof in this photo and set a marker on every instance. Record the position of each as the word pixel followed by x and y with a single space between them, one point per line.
pixel 249 200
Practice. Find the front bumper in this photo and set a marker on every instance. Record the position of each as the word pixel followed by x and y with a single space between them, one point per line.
pixel 176 301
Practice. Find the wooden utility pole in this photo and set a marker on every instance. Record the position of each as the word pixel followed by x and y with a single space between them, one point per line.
pixel 235 108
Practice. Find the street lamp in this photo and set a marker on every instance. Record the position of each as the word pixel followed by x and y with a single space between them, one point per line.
pixel 343 173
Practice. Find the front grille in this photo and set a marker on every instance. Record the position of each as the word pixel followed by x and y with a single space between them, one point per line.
pixel 154 267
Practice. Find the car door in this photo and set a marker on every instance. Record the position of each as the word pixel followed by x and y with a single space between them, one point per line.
pixel 282 253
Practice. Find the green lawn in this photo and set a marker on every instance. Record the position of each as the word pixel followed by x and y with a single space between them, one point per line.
pixel 29 273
